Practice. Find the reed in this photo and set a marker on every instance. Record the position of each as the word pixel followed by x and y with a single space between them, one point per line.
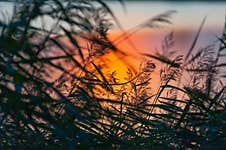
pixel 53 96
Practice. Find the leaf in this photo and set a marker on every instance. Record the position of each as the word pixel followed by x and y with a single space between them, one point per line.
pixel 58 44
pixel 195 39
pixel 174 87
pixel 105 82
pixel 164 60
pixel 172 106
pixel 197 55
pixel 161 18
pixel 110 12
pixel 216 97
pixel 220 65
pixel 173 99
pixel 74 42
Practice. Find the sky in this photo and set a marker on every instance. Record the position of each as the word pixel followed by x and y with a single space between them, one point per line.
pixel 185 24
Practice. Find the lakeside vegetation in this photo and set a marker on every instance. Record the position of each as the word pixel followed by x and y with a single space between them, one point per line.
pixel 54 96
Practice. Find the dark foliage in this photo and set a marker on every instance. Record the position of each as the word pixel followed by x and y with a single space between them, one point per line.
pixel 54 96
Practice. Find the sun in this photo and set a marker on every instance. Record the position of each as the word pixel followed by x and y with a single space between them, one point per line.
pixel 116 64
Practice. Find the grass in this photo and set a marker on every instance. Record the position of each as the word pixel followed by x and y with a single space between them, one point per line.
pixel 51 99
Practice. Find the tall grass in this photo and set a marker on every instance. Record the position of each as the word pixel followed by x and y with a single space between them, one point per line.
pixel 53 95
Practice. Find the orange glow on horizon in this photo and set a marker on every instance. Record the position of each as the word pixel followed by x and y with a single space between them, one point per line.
pixel 129 56
pixel 119 63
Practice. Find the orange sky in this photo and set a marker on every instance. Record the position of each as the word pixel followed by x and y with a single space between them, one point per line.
pixel 149 41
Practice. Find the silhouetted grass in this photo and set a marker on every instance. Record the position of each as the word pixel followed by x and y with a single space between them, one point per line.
pixel 53 96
